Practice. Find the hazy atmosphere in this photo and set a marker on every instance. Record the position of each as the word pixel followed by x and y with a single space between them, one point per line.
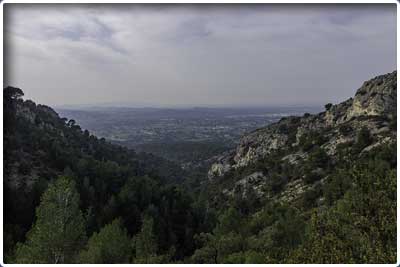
pixel 187 55
pixel 199 134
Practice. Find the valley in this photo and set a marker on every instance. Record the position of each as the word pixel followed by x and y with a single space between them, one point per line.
pixel 199 133
pixel 202 186
pixel 184 135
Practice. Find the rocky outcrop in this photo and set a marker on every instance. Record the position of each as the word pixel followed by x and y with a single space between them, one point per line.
pixel 373 106
pixel 254 182
pixel 376 97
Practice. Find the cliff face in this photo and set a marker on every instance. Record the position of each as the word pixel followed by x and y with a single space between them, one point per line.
pixel 373 108
pixel 376 97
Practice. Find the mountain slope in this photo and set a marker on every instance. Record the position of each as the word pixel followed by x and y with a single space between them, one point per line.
pixel 313 189
pixel 372 111
pixel 112 181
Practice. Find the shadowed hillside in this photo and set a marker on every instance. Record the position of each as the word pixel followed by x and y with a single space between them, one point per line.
pixel 313 189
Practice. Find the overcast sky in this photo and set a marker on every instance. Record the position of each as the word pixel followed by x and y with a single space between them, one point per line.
pixel 199 55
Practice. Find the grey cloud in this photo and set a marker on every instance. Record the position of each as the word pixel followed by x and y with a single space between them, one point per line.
pixel 197 54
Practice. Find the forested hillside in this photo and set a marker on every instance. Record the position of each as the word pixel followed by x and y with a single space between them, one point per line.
pixel 108 182
pixel 313 189
pixel 318 188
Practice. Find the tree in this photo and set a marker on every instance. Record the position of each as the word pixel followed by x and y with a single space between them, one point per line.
pixel 318 158
pixel 111 245
pixel 145 243
pixel 110 209
pixel 229 221
pixel 345 129
pixel 59 231
pixel 276 183
pixel 363 139
pixel 328 106
pixel 209 251
pixel 277 230
pixel 71 123
pixel 336 186
pixel 12 93
pixel 220 248
pixel 361 226
pixel 227 242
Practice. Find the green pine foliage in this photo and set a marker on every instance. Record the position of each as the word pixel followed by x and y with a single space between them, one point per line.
pixel 360 227
pixel 145 243
pixel 135 209
pixel 111 245
pixel 357 222
pixel 59 230
pixel 112 181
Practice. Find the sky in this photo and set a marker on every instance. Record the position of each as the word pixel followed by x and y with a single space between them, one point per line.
pixel 196 55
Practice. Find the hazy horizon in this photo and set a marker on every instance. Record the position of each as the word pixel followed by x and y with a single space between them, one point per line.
pixel 213 55
pixel 128 105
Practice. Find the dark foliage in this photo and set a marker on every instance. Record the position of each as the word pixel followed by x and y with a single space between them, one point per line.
pixel 133 207
pixel 112 181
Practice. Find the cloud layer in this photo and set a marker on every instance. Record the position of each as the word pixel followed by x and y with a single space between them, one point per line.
pixel 166 55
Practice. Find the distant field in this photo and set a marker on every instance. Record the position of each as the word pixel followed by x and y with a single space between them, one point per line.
pixel 138 126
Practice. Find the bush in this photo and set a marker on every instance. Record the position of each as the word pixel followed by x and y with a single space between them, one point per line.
pixel 276 183
pixel 309 198
pixel 336 186
pixel 312 177
pixel 283 128
pixel 314 138
pixel 305 143
pixel 358 228
pixel 318 158
pixel 345 129
pixel 328 106
pixel 363 140
pixel 393 122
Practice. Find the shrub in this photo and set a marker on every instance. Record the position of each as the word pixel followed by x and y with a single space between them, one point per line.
pixel 276 183
pixel 363 140
pixel 312 177
pixel 328 106
pixel 345 129
pixel 309 198
pixel 318 158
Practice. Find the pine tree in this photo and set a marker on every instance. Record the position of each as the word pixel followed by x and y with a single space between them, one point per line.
pixel 111 245
pixel 145 243
pixel 59 231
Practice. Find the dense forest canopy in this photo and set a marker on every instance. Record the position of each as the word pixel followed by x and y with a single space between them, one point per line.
pixel 112 182
pixel 71 197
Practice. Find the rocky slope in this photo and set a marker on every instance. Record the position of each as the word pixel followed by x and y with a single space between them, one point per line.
pixel 373 109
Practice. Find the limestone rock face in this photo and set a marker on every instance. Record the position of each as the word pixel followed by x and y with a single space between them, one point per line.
pixel 373 105
pixel 253 182
pixel 250 149
pixel 376 97
pixel 218 169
